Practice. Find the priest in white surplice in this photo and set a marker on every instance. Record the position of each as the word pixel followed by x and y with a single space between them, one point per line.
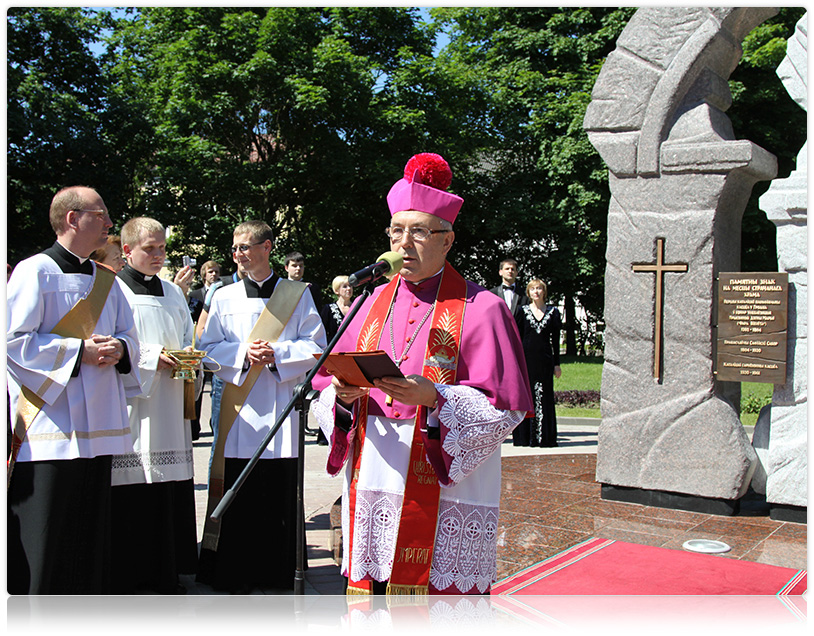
pixel 263 331
pixel 70 342
pixel 155 534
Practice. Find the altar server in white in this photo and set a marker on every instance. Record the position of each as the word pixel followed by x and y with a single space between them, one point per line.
pixel 155 533
pixel 263 332
pixel 71 342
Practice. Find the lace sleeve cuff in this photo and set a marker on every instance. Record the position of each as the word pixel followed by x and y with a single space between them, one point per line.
pixel 471 430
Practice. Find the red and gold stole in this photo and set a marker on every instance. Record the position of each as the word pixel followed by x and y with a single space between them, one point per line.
pixel 79 322
pixel 419 513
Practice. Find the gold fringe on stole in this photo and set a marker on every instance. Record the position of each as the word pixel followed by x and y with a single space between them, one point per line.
pixel 407 590
pixel 211 531
pixel 28 405
pixel 357 591
pixel 275 316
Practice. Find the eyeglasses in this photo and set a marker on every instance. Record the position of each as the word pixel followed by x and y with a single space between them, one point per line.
pixel 244 248
pixel 96 212
pixel 416 233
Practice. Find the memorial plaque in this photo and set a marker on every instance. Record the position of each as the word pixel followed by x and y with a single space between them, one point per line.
pixel 752 327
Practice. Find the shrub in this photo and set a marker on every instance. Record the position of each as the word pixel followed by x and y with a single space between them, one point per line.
pixel 577 398
pixel 753 403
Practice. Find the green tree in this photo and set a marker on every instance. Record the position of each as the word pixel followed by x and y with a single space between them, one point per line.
pixel 304 117
pixel 56 118
pixel 763 112
pixel 537 190
pixel 283 114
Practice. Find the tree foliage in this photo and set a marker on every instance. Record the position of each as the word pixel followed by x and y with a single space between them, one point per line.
pixel 763 112
pixel 56 117
pixel 540 189
pixel 277 114
pixel 304 116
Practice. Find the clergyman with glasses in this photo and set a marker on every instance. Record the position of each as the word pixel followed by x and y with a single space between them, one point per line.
pixel 421 453
pixel 263 332
pixel 72 346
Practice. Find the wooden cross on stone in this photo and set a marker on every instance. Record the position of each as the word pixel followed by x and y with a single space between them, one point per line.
pixel 659 268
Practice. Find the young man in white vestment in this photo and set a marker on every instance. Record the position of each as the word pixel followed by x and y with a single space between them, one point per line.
pixel 263 332
pixel 154 527
pixel 71 343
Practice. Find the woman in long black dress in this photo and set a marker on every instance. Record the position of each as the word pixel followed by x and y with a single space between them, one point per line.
pixel 539 325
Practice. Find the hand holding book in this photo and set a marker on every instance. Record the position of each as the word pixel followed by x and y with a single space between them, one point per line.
pixel 360 368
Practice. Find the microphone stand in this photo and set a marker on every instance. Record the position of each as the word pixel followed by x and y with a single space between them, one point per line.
pixel 303 395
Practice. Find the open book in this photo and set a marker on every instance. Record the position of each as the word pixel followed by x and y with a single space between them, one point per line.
pixel 360 368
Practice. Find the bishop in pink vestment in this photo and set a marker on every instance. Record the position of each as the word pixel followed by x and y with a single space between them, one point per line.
pixel 463 428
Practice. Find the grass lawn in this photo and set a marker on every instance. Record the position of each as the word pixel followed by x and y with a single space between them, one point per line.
pixel 579 373
pixel 577 411
pixel 585 374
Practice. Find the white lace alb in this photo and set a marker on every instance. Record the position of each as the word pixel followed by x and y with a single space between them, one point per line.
pixel 465 547
pixel 466 537
pixel 465 541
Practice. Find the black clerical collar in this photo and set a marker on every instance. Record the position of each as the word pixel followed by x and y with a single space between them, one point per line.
pixel 67 261
pixel 254 290
pixel 139 283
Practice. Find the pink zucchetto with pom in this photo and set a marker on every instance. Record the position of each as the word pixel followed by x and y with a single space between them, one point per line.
pixel 423 188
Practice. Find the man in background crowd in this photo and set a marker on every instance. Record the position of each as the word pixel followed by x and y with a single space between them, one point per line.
pixel 508 290
pixel 210 274
pixel 295 268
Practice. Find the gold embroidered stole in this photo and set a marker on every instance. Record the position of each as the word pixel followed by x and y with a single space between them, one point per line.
pixel 79 322
pixel 276 314
pixel 419 514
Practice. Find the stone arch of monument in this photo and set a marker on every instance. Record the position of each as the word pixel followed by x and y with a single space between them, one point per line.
pixel 679 182
pixel 781 433
pixel 667 81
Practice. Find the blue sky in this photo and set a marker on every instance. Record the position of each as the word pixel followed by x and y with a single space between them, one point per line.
pixel 442 41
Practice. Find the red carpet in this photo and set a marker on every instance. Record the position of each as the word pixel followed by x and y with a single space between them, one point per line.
pixel 607 567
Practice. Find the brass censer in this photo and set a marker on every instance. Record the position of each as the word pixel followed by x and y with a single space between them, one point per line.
pixel 188 362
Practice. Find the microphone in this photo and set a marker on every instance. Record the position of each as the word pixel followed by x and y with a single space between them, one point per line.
pixel 388 263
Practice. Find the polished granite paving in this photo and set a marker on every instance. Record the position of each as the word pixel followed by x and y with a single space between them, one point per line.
pixel 552 502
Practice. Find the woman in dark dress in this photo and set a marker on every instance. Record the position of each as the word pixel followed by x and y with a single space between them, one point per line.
pixel 332 316
pixel 539 326
pixel 334 313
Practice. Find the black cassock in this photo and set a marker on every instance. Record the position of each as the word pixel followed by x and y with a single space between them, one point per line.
pixel 258 532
